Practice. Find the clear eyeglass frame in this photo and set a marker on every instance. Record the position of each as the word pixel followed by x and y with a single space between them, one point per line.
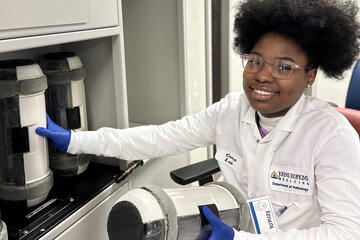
pixel 279 68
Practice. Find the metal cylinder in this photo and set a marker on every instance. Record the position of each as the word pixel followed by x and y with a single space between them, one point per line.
pixel 66 106
pixel 149 212
pixel 24 163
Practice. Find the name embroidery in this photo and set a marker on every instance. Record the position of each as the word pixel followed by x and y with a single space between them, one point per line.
pixel 230 159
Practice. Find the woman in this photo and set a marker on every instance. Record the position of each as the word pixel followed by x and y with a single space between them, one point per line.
pixel 295 149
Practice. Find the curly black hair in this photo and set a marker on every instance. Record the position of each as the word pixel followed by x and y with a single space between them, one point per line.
pixel 326 30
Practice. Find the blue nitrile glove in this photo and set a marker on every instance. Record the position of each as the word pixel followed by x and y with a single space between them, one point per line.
pixel 219 230
pixel 57 136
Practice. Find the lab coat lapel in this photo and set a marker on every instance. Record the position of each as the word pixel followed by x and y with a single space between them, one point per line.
pixel 282 131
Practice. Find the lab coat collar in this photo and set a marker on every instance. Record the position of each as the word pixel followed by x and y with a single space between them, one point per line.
pixel 250 115
pixel 287 123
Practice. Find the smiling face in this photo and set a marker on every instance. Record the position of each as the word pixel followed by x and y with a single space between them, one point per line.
pixel 270 96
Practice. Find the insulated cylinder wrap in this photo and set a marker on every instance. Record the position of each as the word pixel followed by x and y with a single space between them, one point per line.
pixel 141 206
pixel 24 167
pixel 66 106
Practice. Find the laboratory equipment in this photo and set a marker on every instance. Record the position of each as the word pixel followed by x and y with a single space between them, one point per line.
pixel 3 230
pixel 66 106
pixel 150 212
pixel 24 166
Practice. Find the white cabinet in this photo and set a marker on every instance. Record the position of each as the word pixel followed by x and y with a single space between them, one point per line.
pixel 102 52
pixel 22 18
pixel 96 36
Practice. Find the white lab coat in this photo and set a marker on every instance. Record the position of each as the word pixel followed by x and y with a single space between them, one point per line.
pixel 313 148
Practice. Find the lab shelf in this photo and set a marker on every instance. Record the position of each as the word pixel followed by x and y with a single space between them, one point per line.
pixel 35 41
pixel 68 195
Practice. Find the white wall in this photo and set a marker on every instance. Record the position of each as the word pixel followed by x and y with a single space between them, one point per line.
pixel 231 67
pixel 332 90
pixel 166 51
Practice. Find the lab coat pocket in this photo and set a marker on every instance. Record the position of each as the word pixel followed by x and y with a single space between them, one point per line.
pixel 299 214
pixel 229 159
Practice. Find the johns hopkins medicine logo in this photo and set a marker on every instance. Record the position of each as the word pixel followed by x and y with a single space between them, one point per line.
pixel 290 181
pixel 274 175
pixel 293 177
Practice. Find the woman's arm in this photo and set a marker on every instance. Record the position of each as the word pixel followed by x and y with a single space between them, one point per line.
pixel 151 141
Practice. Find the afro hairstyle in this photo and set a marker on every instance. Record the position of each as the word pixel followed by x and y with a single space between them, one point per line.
pixel 326 30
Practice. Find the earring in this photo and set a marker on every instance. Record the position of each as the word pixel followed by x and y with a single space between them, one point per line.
pixel 308 86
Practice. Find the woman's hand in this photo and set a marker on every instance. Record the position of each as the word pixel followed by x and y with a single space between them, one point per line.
pixel 219 230
pixel 57 136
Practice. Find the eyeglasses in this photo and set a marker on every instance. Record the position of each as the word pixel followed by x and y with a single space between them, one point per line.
pixel 279 68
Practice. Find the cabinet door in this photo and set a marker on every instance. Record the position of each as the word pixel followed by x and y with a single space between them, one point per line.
pixel 42 13
pixel 20 18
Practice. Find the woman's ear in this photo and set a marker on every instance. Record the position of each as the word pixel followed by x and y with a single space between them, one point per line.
pixel 311 75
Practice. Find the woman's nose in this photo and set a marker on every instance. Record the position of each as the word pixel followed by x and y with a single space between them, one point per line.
pixel 264 74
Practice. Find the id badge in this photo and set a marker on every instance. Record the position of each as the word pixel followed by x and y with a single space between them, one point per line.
pixel 262 215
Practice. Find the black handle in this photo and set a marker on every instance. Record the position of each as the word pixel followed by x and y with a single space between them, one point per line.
pixel 201 171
